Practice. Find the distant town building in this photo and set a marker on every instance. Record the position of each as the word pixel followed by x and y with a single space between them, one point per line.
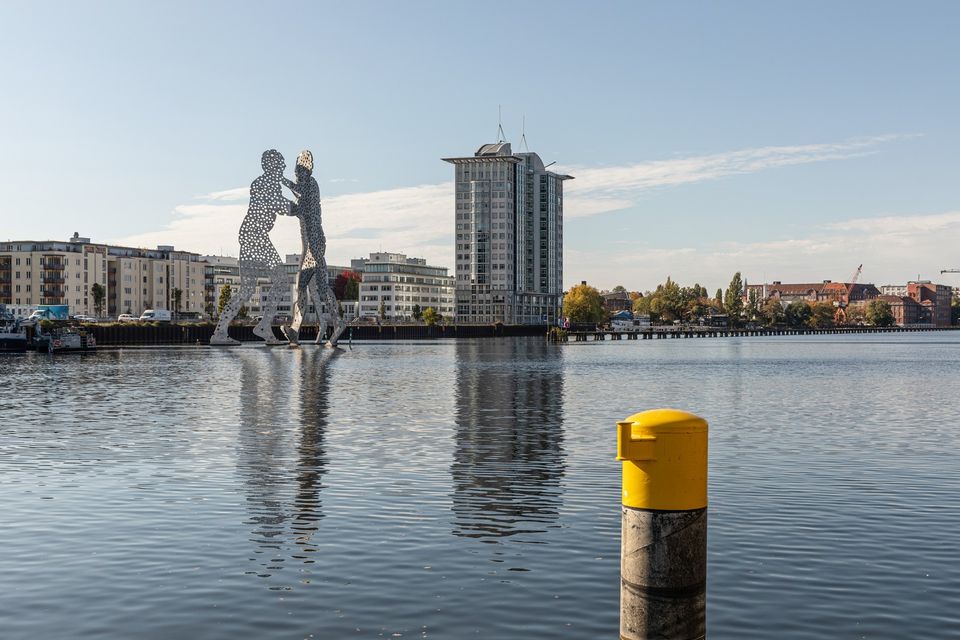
pixel 135 279
pixel 400 283
pixel 614 301
pixel 509 237
pixel 825 291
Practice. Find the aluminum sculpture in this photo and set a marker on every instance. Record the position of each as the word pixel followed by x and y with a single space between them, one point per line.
pixel 258 257
pixel 312 275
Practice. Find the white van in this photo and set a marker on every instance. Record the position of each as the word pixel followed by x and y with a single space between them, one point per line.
pixel 158 315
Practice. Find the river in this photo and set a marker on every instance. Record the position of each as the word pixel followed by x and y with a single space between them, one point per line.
pixel 465 489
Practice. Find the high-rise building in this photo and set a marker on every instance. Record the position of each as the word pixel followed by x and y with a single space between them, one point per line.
pixel 509 237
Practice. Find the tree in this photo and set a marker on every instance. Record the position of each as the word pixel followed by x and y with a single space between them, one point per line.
pixel 821 315
pixel 733 300
pixel 176 296
pixel 719 297
pixel 99 293
pixel 382 311
pixel 641 306
pixel 667 301
pixel 772 312
pixel 879 313
pixel 209 309
pixel 797 314
pixel 753 303
pixel 417 312
pixel 225 293
pixel 955 311
pixel 583 303
pixel 856 315
pixel 346 286
pixel 619 289
pixel 431 317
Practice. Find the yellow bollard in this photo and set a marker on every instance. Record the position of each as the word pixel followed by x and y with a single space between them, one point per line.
pixel 663 544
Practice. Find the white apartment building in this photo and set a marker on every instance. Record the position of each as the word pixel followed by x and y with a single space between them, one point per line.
pixel 509 237
pixel 53 272
pixel 400 283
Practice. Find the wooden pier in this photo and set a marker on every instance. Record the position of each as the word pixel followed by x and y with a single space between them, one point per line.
pixel 667 333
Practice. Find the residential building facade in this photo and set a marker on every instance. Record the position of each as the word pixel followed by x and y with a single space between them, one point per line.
pixel 400 283
pixel 509 237
pixel 135 279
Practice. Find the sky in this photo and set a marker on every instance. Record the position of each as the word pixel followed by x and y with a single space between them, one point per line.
pixel 789 141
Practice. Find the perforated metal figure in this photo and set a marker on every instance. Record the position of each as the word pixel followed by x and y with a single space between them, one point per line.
pixel 312 275
pixel 258 257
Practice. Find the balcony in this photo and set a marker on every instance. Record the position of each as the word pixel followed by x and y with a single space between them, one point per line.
pixel 46 277
pixel 54 266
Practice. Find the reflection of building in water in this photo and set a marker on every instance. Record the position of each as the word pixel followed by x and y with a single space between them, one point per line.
pixel 284 408
pixel 509 459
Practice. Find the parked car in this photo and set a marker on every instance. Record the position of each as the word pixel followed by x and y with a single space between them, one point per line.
pixel 158 315
pixel 126 317
pixel 84 318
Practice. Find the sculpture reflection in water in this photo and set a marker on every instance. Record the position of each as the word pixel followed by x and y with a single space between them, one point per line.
pixel 283 463
pixel 508 462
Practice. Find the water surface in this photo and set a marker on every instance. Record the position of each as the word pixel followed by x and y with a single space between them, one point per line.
pixel 468 488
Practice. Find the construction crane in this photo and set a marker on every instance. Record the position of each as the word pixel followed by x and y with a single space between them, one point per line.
pixel 949 270
pixel 842 297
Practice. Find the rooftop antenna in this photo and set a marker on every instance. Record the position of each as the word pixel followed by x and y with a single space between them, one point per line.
pixel 523 135
pixel 501 137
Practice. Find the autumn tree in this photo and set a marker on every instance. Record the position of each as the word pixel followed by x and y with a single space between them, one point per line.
pixel 583 303
pixel 431 317
pixel 346 286
pixel 772 312
pixel 821 315
pixel 225 293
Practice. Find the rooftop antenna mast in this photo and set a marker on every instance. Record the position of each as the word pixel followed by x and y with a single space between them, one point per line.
pixel 501 137
pixel 523 135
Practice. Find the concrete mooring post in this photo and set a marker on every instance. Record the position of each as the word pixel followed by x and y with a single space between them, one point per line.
pixel 663 545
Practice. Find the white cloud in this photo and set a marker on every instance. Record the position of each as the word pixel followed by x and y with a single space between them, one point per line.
pixel 892 249
pixel 419 220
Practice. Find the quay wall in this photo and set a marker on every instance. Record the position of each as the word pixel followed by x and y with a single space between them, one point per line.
pixel 172 334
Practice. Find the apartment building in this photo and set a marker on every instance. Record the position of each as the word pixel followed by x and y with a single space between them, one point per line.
pixel 400 283
pixel 53 272
pixel 509 237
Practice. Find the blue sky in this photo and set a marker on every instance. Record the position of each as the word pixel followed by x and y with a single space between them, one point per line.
pixel 787 140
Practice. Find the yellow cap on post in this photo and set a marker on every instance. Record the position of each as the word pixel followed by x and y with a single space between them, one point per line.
pixel 664 454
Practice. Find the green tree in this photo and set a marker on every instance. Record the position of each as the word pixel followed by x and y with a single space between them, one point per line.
pixel 733 300
pixel 821 315
pixel 225 293
pixel 797 314
pixel 417 312
pixel 431 317
pixel 583 303
pixel 667 301
pixel 754 304
pixel 955 311
pixel 176 296
pixel 641 306
pixel 856 315
pixel 382 311
pixel 719 297
pixel 619 289
pixel 99 293
pixel 772 312
pixel 879 313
